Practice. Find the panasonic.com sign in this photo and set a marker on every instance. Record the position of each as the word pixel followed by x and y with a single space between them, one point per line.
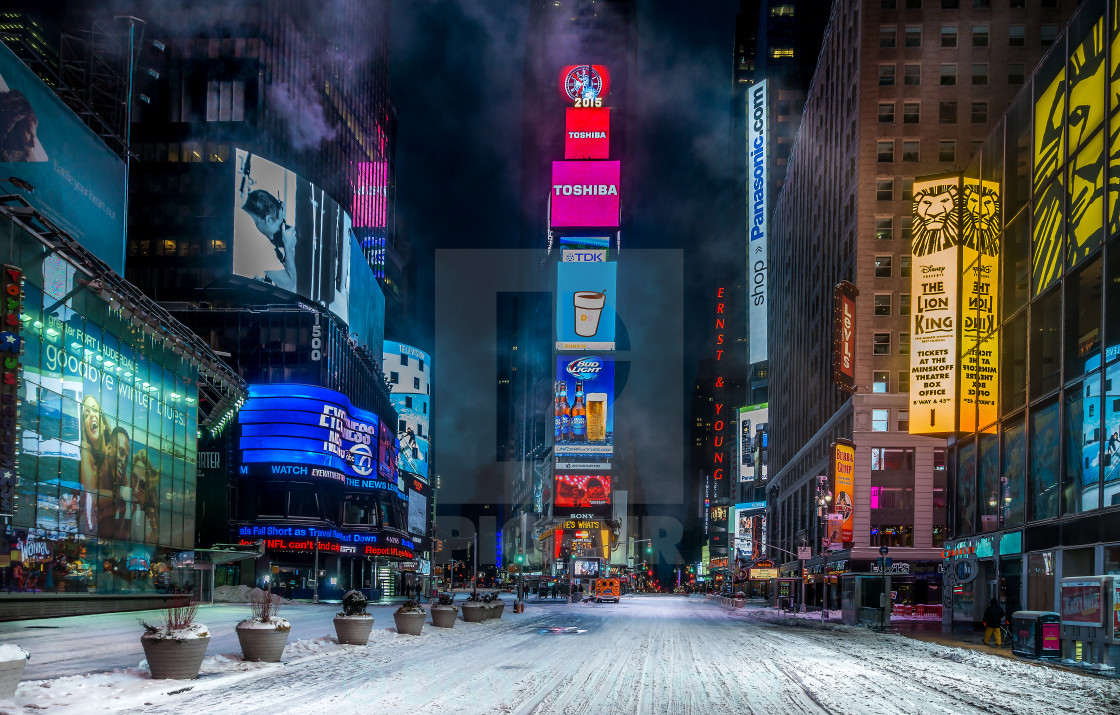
pixel 758 179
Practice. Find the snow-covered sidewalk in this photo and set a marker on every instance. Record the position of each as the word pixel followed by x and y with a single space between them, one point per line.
pixel 645 655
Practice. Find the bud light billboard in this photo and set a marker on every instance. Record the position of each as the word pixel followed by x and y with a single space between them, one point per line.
pixel 584 408
pixel 585 317
pixel 309 431
pixel 582 495
pixel 584 194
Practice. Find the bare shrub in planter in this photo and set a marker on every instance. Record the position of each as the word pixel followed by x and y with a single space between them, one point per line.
pixel 263 636
pixel 444 612
pixel 353 624
pixel 175 648
pixel 410 618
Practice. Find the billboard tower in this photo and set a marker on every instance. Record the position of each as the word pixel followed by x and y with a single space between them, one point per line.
pixel 583 217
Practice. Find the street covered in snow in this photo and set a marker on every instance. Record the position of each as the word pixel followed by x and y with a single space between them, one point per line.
pixel 647 654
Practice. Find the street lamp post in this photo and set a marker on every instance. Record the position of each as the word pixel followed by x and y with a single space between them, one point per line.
pixel 824 499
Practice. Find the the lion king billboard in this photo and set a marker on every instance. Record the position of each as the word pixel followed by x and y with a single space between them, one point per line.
pixel 955 286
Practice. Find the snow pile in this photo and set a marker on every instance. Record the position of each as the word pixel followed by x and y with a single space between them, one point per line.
pixel 242 594
pixel 275 623
pixel 191 632
pixel 11 651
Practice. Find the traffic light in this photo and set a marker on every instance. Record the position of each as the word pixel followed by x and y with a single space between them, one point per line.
pixel 649 548
pixel 520 558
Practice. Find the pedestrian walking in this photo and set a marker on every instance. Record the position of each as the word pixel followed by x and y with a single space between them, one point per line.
pixel 993 619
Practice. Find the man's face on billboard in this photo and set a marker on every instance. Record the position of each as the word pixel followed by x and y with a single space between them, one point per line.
pixel 118 455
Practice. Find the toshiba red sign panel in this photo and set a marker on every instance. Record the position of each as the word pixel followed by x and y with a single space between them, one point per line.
pixel 584 193
pixel 587 133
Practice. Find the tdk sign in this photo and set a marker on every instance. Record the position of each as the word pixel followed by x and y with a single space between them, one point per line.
pixel 586 368
pixel 587 255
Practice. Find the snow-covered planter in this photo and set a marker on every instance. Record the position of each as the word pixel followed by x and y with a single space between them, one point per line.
pixel 12 661
pixel 474 610
pixel 444 612
pixel 263 636
pixel 353 624
pixel 410 618
pixel 175 649
pixel 495 606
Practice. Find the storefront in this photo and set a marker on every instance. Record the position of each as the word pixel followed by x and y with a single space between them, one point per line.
pixel 980 568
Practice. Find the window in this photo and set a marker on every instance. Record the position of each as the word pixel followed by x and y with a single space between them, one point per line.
pixel 979 72
pixel 913 36
pixel 911 112
pixel 947 113
pixel 950 4
pixel 881 382
pixel 886 112
pixel 979 35
pixel 907 189
pixel 885 150
pixel 910 151
pixel 1048 35
pixel 882 344
pixel 883 266
pixel 415 383
pixel 884 190
pixel 887 36
pixel 979 112
pixel 982 4
pixel 1044 463
pixel 407 403
pixel 1017 4
pixel 904 343
pixel 913 4
pixel 904 304
pixel 783 10
pixel 886 75
pixel 904 420
pixel 404 360
pixel 884 228
pixel 394 378
pixel 303 502
pixel 948 74
pixel 1017 36
pixel 888 4
pixel 906 233
pixel 781 52
pixel 882 304
pixel 947 151
pixel 912 75
pixel 949 36
pixel 880 419
pixel 904 381
pixel 1049 3
pixel 904 267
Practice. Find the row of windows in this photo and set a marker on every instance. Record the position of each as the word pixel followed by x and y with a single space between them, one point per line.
pixel 884 266
pixel 981 36
pixel 912 74
pixel 884 301
pixel 956 4
pixel 881 422
pixel 881 381
pixel 881 343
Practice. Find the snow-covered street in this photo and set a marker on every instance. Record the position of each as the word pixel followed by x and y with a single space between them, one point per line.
pixel 647 654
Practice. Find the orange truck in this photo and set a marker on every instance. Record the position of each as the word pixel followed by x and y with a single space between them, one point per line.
pixel 607 589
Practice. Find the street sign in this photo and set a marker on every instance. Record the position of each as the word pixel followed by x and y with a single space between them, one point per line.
pixel 804 552
pixel 883 550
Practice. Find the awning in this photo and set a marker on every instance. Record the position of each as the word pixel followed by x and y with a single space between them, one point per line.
pixel 228 553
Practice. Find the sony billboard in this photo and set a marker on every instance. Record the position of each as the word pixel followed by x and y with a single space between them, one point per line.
pixel 758 179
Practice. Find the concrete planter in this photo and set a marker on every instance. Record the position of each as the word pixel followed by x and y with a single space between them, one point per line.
pixel 474 612
pixel 444 616
pixel 264 645
pixel 10 673
pixel 353 630
pixel 410 623
pixel 172 658
pixel 497 609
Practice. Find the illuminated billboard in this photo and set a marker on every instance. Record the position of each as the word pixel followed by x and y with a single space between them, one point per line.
pixel 979 359
pixel 419 495
pixel 582 495
pixel 844 336
pixel 934 286
pixel 371 194
pixel 302 538
pixel 307 431
pixel 750 531
pixel 108 439
pixel 584 406
pixel 843 467
pixel 410 371
pixel 585 85
pixel 585 296
pixel 290 234
pixel 585 568
pixel 584 194
pixel 753 435
pixel 587 133
pixel 758 187
pixel 78 182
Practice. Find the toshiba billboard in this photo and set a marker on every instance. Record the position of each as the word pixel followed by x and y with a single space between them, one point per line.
pixel 587 133
pixel 584 193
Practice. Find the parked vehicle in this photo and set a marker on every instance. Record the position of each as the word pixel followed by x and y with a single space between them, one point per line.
pixel 607 589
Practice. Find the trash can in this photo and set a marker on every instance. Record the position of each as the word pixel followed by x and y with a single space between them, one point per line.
pixel 1036 634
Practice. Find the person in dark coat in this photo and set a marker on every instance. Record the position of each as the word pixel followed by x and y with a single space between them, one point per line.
pixel 993 618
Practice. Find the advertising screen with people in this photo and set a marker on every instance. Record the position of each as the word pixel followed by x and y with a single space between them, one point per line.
pixel 108 440
pixel 582 494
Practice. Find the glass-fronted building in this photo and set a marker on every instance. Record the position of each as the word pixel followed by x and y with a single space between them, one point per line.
pixel 1035 469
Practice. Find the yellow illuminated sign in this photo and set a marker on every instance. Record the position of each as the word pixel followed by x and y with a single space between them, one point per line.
pixel 934 285
pixel 843 485
pixel 979 345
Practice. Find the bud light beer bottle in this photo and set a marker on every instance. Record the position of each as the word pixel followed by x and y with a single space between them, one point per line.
pixel 565 413
pixel 559 412
pixel 579 416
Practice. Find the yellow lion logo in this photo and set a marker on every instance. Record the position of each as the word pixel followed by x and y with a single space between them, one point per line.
pixel 935 224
